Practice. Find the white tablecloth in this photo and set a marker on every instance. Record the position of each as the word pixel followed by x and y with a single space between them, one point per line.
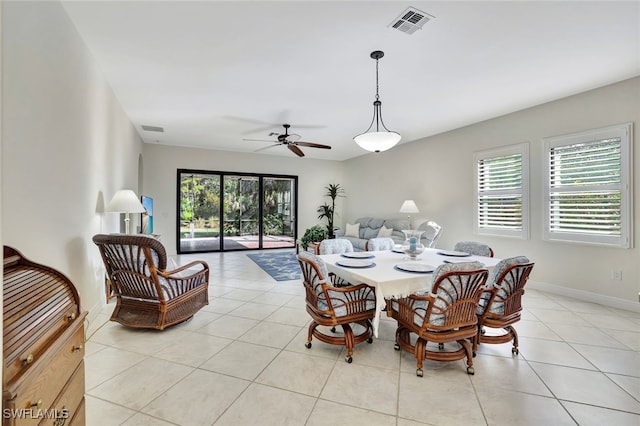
pixel 388 281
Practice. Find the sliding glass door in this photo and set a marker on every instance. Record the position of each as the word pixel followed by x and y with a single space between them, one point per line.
pixel 220 211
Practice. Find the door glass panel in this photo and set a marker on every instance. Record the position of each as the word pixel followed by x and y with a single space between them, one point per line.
pixel 241 212
pixel 278 220
pixel 199 212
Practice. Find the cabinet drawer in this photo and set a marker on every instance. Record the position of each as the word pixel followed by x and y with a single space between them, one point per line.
pixel 41 392
pixel 67 403
pixel 79 418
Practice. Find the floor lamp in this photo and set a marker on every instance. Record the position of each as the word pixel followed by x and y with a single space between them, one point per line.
pixel 125 201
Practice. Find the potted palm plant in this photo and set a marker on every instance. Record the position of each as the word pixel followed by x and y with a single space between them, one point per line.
pixel 327 211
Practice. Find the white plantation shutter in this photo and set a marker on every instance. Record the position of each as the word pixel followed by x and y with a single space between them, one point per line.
pixel 501 191
pixel 588 194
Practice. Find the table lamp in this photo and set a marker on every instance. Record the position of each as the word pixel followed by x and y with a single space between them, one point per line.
pixel 125 201
pixel 409 206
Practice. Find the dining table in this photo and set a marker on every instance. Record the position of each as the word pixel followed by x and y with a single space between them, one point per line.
pixel 393 274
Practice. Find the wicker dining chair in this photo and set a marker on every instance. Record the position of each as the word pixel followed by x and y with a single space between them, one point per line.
pixel 335 246
pixel 331 306
pixel 148 295
pixel 380 243
pixel 474 247
pixel 501 305
pixel 447 314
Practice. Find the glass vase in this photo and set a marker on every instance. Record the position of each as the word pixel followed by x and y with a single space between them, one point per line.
pixel 412 245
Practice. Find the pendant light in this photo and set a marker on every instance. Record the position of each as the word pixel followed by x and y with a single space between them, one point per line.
pixel 380 138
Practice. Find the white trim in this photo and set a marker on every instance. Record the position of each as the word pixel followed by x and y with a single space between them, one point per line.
pixel 587 296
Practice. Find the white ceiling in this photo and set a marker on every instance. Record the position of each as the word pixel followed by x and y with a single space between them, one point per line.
pixel 212 73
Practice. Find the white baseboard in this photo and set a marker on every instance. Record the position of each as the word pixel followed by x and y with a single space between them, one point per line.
pixel 587 296
pixel 93 314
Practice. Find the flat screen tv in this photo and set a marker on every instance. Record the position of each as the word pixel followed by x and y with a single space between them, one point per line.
pixel 147 216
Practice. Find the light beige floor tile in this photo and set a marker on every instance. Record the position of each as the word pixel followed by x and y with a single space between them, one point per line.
pixel 329 413
pixel 586 335
pixel 98 321
pixel 147 342
pixel 630 339
pixel 611 360
pixel 297 372
pixel 92 347
pixel 407 422
pixel 242 360
pixel 275 298
pixel 199 320
pixel 516 408
pixel 229 327
pixel 103 365
pixel 558 316
pixel 193 348
pixel 439 399
pixel 104 413
pixel 587 387
pixel 588 415
pixel 380 353
pixel 290 316
pixel 493 372
pixel 613 322
pixel 535 329
pixel 136 387
pixel 264 405
pixel 144 420
pixel 270 334
pixel 198 399
pixel 317 348
pixel 630 384
pixel 347 381
pixel 222 306
pixel 559 353
pixel 242 294
pixel 252 310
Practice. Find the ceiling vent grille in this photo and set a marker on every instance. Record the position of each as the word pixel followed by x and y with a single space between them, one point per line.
pixel 152 128
pixel 411 20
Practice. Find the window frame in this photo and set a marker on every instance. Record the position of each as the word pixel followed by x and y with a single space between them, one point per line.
pixel 625 133
pixel 506 151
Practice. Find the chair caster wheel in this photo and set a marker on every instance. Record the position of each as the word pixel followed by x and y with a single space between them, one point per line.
pixel 307 345
pixel 482 331
pixel 333 329
pixel 440 346
pixel 471 371
pixel 515 351
pixel 396 347
pixel 419 372
pixel 474 354
pixel 348 359
pixel 370 340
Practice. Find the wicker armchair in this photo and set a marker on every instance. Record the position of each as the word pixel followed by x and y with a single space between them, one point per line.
pixel 500 307
pixel 149 296
pixel 331 306
pixel 335 246
pixel 474 247
pixel 448 314
pixel 381 243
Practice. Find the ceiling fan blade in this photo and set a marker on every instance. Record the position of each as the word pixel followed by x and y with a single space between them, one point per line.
pixel 313 145
pixel 259 140
pixel 267 147
pixel 296 150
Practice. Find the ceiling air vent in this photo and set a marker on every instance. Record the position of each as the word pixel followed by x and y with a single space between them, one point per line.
pixel 411 20
pixel 152 128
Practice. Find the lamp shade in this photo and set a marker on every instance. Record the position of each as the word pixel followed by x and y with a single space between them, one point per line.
pixel 125 201
pixel 409 206
pixel 377 141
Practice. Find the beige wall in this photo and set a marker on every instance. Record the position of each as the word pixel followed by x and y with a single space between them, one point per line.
pixel 67 146
pixel 437 172
pixel 160 170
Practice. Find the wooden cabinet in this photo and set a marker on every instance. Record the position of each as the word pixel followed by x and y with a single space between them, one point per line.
pixel 43 345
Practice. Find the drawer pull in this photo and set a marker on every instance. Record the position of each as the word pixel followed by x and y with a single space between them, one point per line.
pixel 37 404
pixel 71 317
pixel 28 360
pixel 78 348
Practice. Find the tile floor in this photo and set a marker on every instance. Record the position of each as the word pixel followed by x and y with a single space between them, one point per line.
pixel 242 361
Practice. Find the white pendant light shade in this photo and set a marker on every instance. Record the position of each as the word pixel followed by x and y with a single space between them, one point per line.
pixel 378 138
pixel 377 141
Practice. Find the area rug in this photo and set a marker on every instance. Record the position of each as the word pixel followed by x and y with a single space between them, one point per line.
pixel 282 266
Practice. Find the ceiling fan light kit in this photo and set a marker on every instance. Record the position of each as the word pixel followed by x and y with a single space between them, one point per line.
pixel 379 139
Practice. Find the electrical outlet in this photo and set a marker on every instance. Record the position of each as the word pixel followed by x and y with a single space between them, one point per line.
pixel 616 275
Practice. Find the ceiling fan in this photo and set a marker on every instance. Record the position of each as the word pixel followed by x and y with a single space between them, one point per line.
pixel 291 141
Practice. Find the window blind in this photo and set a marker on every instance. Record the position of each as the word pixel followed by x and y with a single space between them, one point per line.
pixel 499 189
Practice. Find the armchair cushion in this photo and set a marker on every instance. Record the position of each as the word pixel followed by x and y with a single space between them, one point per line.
pixel 384 232
pixel 352 230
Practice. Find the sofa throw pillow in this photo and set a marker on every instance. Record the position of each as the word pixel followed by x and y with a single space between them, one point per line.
pixel 352 230
pixel 385 232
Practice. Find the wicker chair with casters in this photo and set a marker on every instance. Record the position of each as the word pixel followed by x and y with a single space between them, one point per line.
pixel 330 306
pixel 381 243
pixel 335 246
pixel 432 232
pixel 148 295
pixel 448 314
pixel 474 247
pixel 500 307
